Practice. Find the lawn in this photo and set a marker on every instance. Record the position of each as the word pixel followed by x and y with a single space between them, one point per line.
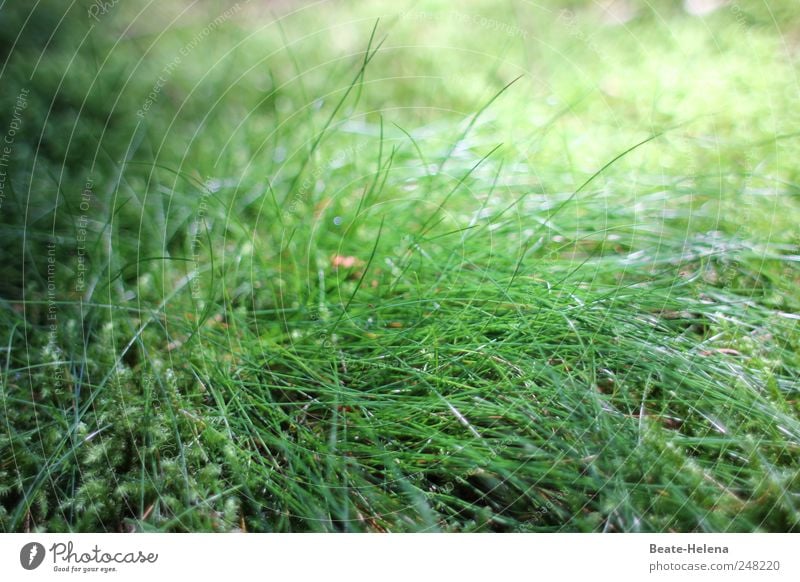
pixel 349 266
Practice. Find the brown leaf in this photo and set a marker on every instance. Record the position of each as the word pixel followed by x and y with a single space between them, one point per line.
pixel 345 261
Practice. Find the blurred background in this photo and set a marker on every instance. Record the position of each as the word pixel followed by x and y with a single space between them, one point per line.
pixel 177 84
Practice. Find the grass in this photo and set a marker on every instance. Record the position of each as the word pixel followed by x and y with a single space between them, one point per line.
pixel 350 268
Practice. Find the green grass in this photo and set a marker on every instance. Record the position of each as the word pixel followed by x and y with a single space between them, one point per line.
pixel 400 269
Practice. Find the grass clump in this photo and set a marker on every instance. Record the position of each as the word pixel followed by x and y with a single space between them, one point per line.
pixel 358 280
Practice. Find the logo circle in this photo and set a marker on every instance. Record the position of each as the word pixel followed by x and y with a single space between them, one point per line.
pixel 31 555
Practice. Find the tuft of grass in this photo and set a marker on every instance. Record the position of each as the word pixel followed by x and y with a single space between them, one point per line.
pixel 266 273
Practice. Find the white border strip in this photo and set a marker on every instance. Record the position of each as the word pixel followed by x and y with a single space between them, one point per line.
pixel 407 557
